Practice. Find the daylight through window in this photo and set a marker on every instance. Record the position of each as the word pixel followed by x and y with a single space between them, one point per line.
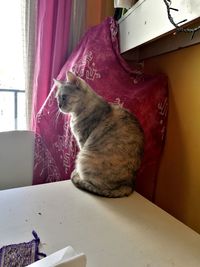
pixel 12 95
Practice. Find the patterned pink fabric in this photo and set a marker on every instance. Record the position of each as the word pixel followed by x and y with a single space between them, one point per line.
pixel 97 60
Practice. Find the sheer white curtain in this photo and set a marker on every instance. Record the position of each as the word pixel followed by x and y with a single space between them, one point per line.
pixel 29 15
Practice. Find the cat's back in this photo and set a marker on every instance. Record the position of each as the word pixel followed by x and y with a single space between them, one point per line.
pixel 122 124
pixel 125 119
pixel 118 132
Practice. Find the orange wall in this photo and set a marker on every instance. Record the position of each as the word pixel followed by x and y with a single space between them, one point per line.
pixel 178 188
pixel 97 10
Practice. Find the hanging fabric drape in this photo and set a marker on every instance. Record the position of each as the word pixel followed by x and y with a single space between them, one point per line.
pixel 77 24
pixel 29 10
pixel 52 39
pixel 50 29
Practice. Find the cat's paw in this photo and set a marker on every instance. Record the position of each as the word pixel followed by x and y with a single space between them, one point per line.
pixel 75 177
pixel 74 173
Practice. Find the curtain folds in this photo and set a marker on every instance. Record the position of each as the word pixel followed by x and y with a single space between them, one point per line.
pixel 29 9
pixel 77 24
pixel 59 27
pixel 52 39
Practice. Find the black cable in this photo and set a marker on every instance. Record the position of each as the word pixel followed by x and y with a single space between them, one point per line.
pixel 176 25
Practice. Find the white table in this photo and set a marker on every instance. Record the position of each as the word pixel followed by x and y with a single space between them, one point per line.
pixel 124 232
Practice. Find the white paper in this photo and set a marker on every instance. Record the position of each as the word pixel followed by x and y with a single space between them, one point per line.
pixel 66 257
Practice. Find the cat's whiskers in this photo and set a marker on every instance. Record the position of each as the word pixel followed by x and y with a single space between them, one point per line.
pixel 55 116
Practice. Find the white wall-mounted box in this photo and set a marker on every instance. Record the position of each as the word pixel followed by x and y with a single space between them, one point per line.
pixel 147 21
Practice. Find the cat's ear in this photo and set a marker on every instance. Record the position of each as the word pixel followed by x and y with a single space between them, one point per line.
pixel 71 77
pixel 56 82
pixel 81 83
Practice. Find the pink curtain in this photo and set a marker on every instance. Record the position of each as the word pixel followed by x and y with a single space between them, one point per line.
pixel 53 30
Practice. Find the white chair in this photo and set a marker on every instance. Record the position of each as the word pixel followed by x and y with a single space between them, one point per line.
pixel 16 158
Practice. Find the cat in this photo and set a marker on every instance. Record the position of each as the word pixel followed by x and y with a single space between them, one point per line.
pixel 110 139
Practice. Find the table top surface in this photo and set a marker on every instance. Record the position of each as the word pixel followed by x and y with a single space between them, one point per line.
pixel 129 231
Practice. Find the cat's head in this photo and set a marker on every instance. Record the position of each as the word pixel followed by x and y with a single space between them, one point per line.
pixel 72 94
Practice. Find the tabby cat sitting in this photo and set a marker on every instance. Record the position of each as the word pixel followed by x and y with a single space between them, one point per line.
pixel 110 139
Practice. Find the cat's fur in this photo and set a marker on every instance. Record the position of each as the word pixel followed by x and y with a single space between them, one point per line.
pixel 110 139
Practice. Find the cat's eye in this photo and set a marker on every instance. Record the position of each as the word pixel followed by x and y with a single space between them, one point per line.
pixel 64 97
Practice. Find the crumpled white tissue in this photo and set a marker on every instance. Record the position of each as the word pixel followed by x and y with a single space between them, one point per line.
pixel 66 257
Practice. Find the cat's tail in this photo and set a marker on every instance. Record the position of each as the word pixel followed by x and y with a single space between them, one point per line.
pixel 121 191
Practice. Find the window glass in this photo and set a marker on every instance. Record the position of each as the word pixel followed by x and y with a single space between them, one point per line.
pixel 7 119
pixel 12 99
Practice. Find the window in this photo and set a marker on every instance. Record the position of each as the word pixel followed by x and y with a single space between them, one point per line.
pixel 12 95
